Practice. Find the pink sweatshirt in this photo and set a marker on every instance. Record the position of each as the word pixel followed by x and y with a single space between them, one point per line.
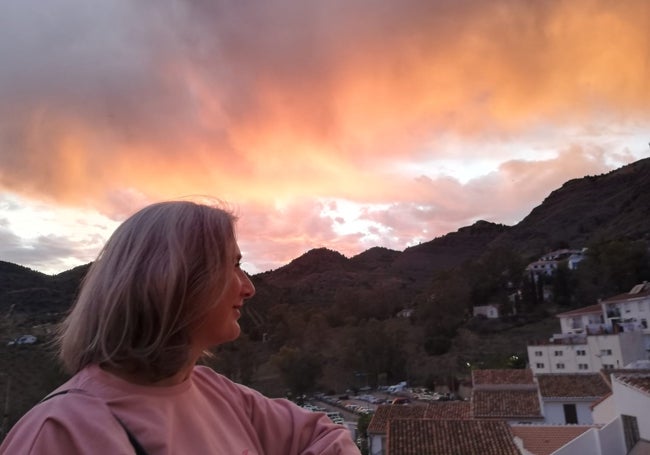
pixel 206 414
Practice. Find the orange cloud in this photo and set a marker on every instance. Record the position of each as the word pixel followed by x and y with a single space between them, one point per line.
pixel 295 103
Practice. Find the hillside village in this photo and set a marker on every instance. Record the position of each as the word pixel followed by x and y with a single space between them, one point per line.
pixel 586 390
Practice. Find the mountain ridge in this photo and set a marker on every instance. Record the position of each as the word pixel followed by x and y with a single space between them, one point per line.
pixel 613 205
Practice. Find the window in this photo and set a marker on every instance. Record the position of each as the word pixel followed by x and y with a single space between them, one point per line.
pixel 644 323
pixel 581 352
pixel 605 352
pixel 558 353
pixel 538 353
pixel 559 366
pixel 539 365
pixel 631 431
pixel 583 366
pixel 608 366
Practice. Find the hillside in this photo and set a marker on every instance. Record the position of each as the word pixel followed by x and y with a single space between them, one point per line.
pixel 608 206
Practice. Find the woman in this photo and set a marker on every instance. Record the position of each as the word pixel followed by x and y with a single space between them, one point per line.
pixel 166 287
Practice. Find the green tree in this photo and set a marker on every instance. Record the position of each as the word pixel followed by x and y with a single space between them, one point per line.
pixel 529 292
pixel 236 360
pixel 362 429
pixel 299 369
pixel 563 284
pixel 611 267
pixel 376 348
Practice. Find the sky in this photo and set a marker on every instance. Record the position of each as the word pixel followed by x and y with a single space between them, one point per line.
pixel 344 124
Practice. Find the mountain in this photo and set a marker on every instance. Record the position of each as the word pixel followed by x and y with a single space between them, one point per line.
pixel 615 205
pixel 35 298
pixel 612 205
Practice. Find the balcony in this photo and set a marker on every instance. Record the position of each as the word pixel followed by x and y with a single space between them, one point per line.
pixel 561 339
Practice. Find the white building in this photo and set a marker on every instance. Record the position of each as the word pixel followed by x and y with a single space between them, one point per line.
pixel 624 416
pixel 567 398
pixel 549 263
pixel 489 311
pixel 608 335
pixel 629 311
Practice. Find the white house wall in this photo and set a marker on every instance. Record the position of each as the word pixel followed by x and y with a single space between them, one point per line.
pixel 632 347
pixel 633 309
pixel 376 444
pixel 534 360
pixel 605 411
pixel 611 438
pixel 633 403
pixel 578 324
pixel 586 443
pixel 601 351
pixel 606 441
pixel 569 358
pixel 554 412
pixel 625 348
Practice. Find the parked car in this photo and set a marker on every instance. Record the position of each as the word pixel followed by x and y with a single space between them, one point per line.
pixel 25 339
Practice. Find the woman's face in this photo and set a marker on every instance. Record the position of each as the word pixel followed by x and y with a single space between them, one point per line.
pixel 220 324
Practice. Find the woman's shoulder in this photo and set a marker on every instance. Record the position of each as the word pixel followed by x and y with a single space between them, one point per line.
pixel 214 384
pixel 205 376
pixel 64 420
pixel 68 407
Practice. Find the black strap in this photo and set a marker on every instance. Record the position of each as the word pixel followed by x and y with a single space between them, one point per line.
pixel 139 450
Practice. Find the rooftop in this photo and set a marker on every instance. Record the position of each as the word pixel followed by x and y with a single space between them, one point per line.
pixel 639 291
pixel 458 437
pixel 567 385
pixel 546 439
pixel 385 413
pixel 607 374
pixel 638 381
pixel 502 377
pixel 591 309
pixel 439 410
pixel 506 404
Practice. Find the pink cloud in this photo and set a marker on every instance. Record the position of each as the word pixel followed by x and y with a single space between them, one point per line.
pixel 288 104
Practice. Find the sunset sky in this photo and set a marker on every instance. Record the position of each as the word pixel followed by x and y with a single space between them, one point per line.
pixel 343 124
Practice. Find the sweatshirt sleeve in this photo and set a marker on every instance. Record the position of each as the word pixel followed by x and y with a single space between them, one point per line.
pixel 285 428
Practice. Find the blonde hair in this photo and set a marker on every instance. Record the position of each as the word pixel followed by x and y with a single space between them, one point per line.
pixel 157 275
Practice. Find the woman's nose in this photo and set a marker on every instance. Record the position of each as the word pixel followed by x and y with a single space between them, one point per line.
pixel 248 289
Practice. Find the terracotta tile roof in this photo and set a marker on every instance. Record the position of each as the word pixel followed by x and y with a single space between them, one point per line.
pixel 579 385
pixel 502 377
pixel 591 309
pixel 640 382
pixel 448 410
pixel 440 410
pixel 450 437
pixel 546 439
pixel 506 404
pixel 385 413
pixel 607 374
pixel 638 291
